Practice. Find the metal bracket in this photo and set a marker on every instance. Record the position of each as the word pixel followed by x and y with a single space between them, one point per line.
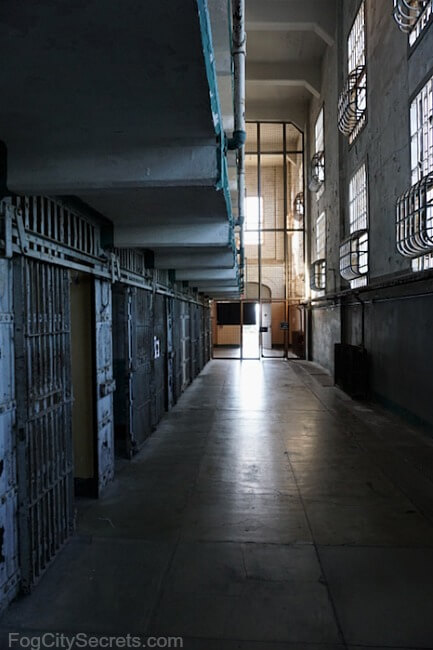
pixel 22 235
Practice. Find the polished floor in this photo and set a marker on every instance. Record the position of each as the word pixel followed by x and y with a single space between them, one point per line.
pixel 268 511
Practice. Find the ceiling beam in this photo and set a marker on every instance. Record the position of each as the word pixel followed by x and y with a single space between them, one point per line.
pixel 291 73
pixel 317 16
pixel 172 236
pixel 194 259
pixel 201 275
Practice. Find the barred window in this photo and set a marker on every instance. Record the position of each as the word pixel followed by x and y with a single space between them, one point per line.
pixel 358 203
pixel 421 134
pixel 354 251
pixel 352 104
pixel 319 133
pixel 317 164
pixel 356 42
pixel 321 236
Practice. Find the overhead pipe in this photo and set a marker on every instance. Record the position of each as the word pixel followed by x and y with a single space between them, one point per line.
pixel 239 52
pixel 237 142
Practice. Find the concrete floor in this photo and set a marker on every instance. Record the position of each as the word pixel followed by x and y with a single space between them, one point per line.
pixel 268 511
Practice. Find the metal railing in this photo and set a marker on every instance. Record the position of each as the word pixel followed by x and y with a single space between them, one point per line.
pixel 414 219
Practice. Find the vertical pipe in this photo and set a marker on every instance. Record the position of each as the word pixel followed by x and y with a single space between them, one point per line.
pixel 239 133
pixel 259 244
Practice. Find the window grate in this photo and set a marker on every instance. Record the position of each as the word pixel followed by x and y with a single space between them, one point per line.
pixel 354 259
pixel 317 171
pixel 318 275
pixel 414 219
pixel 352 104
pixel 423 263
pixel 412 17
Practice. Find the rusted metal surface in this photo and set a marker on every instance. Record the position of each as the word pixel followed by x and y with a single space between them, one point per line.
pixel 8 483
pixel 44 423
pixel 105 384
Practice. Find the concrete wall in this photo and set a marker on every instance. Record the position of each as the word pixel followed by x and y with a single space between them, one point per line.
pixel 397 324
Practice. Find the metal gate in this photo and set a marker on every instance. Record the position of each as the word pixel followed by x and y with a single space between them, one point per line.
pixel 43 384
pixel 159 358
pixel 105 384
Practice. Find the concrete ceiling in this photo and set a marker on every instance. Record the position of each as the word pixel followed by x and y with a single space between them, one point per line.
pixel 286 43
pixel 111 102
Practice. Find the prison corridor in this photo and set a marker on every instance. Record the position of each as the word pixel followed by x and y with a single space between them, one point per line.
pixel 268 510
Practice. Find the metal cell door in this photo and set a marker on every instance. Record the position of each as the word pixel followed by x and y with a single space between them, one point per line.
pixel 202 344
pixel 122 369
pixel 105 384
pixel 44 420
pixel 194 340
pixel 8 491
pixel 185 344
pixel 171 376
pixel 159 358
pixel 142 349
pixel 177 344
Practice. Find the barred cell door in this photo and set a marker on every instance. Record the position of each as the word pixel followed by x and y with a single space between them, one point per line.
pixel 171 372
pixel 105 383
pixel 186 344
pixel 141 364
pixel 44 422
pixel 123 369
pixel 177 345
pixel 159 358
